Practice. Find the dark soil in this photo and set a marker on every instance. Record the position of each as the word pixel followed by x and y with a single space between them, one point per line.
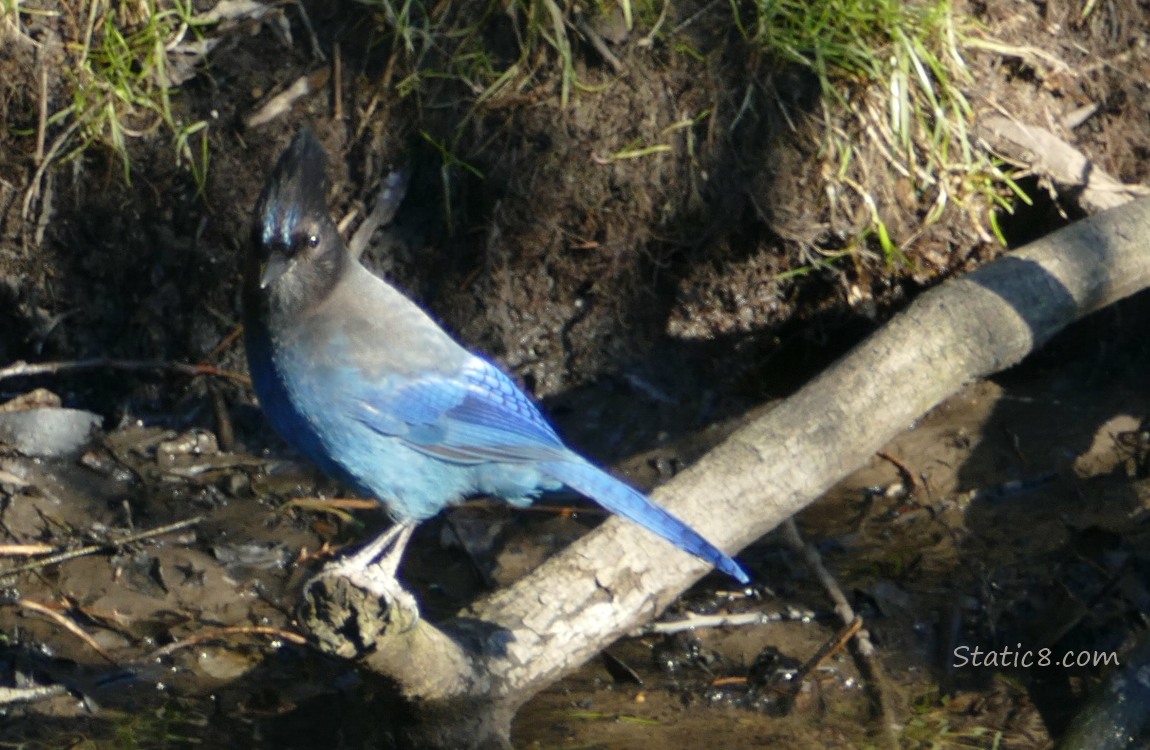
pixel 651 303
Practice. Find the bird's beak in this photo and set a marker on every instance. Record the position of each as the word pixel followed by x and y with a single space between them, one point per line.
pixel 272 268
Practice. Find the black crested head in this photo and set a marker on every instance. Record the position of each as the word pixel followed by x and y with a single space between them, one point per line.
pixel 296 251
pixel 295 192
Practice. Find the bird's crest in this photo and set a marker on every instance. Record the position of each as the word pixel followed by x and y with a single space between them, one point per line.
pixel 296 190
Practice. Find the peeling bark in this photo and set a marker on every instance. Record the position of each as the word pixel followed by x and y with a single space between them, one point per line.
pixel 463 680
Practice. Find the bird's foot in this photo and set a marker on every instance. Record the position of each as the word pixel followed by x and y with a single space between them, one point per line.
pixel 373 570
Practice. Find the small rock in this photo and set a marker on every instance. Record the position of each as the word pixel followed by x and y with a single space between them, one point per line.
pixel 259 556
pixel 49 432
pixel 192 443
pixel 37 399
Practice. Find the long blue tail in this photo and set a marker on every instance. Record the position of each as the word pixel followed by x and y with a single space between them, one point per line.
pixel 628 502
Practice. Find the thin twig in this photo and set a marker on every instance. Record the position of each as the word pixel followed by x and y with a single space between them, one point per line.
pixel 391 194
pixel 25 369
pixel 693 621
pixel 601 47
pixel 870 666
pixel 287 635
pixel 733 680
pixel 63 621
pixel 282 102
pixel 43 218
pixel 225 432
pixel 7 477
pixel 33 191
pixel 815 562
pixel 93 549
pixel 693 17
pixel 42 128
pixel 224 344
pixel 907 475
pixel 316 49
pixel 328 503
pixel 24 550
pixel 10 695
pixel 831 647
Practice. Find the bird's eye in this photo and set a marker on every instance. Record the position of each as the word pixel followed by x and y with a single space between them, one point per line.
pixel 313 241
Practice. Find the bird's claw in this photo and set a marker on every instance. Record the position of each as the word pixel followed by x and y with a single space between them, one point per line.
pixel 373 569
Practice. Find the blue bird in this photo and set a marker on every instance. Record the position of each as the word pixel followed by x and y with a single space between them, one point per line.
pixel 363 382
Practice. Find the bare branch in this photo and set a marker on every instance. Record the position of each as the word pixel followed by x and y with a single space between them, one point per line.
pixel 27 369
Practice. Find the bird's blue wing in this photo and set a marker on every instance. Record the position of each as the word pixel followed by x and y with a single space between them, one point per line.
pixel 474 415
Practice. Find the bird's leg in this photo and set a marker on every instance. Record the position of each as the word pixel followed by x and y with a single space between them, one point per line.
pixel 382 555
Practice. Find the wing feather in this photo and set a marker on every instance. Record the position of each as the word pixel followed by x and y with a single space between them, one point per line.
pixel 475 416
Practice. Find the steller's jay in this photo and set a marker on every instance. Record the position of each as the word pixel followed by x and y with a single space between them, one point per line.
pixel 362 381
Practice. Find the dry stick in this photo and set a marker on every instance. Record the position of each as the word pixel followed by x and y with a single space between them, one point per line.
pixel 24 550
pixel 93 549
pixel 914 485
pixel 225 431
pixel 391 193
pixel 1053 157
pixel 25 369
pixel 870 667
pixel 282 102
pixel 601 47
pixel 814 561
pixel 33 191
pixel 825 651
pixel 571 607
pixel 9 695
pixel 694 622
pixel 224 344
pixel 42 127
pixel 209 635
pixel 68 625
pixel 329 503
pixel 316 49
